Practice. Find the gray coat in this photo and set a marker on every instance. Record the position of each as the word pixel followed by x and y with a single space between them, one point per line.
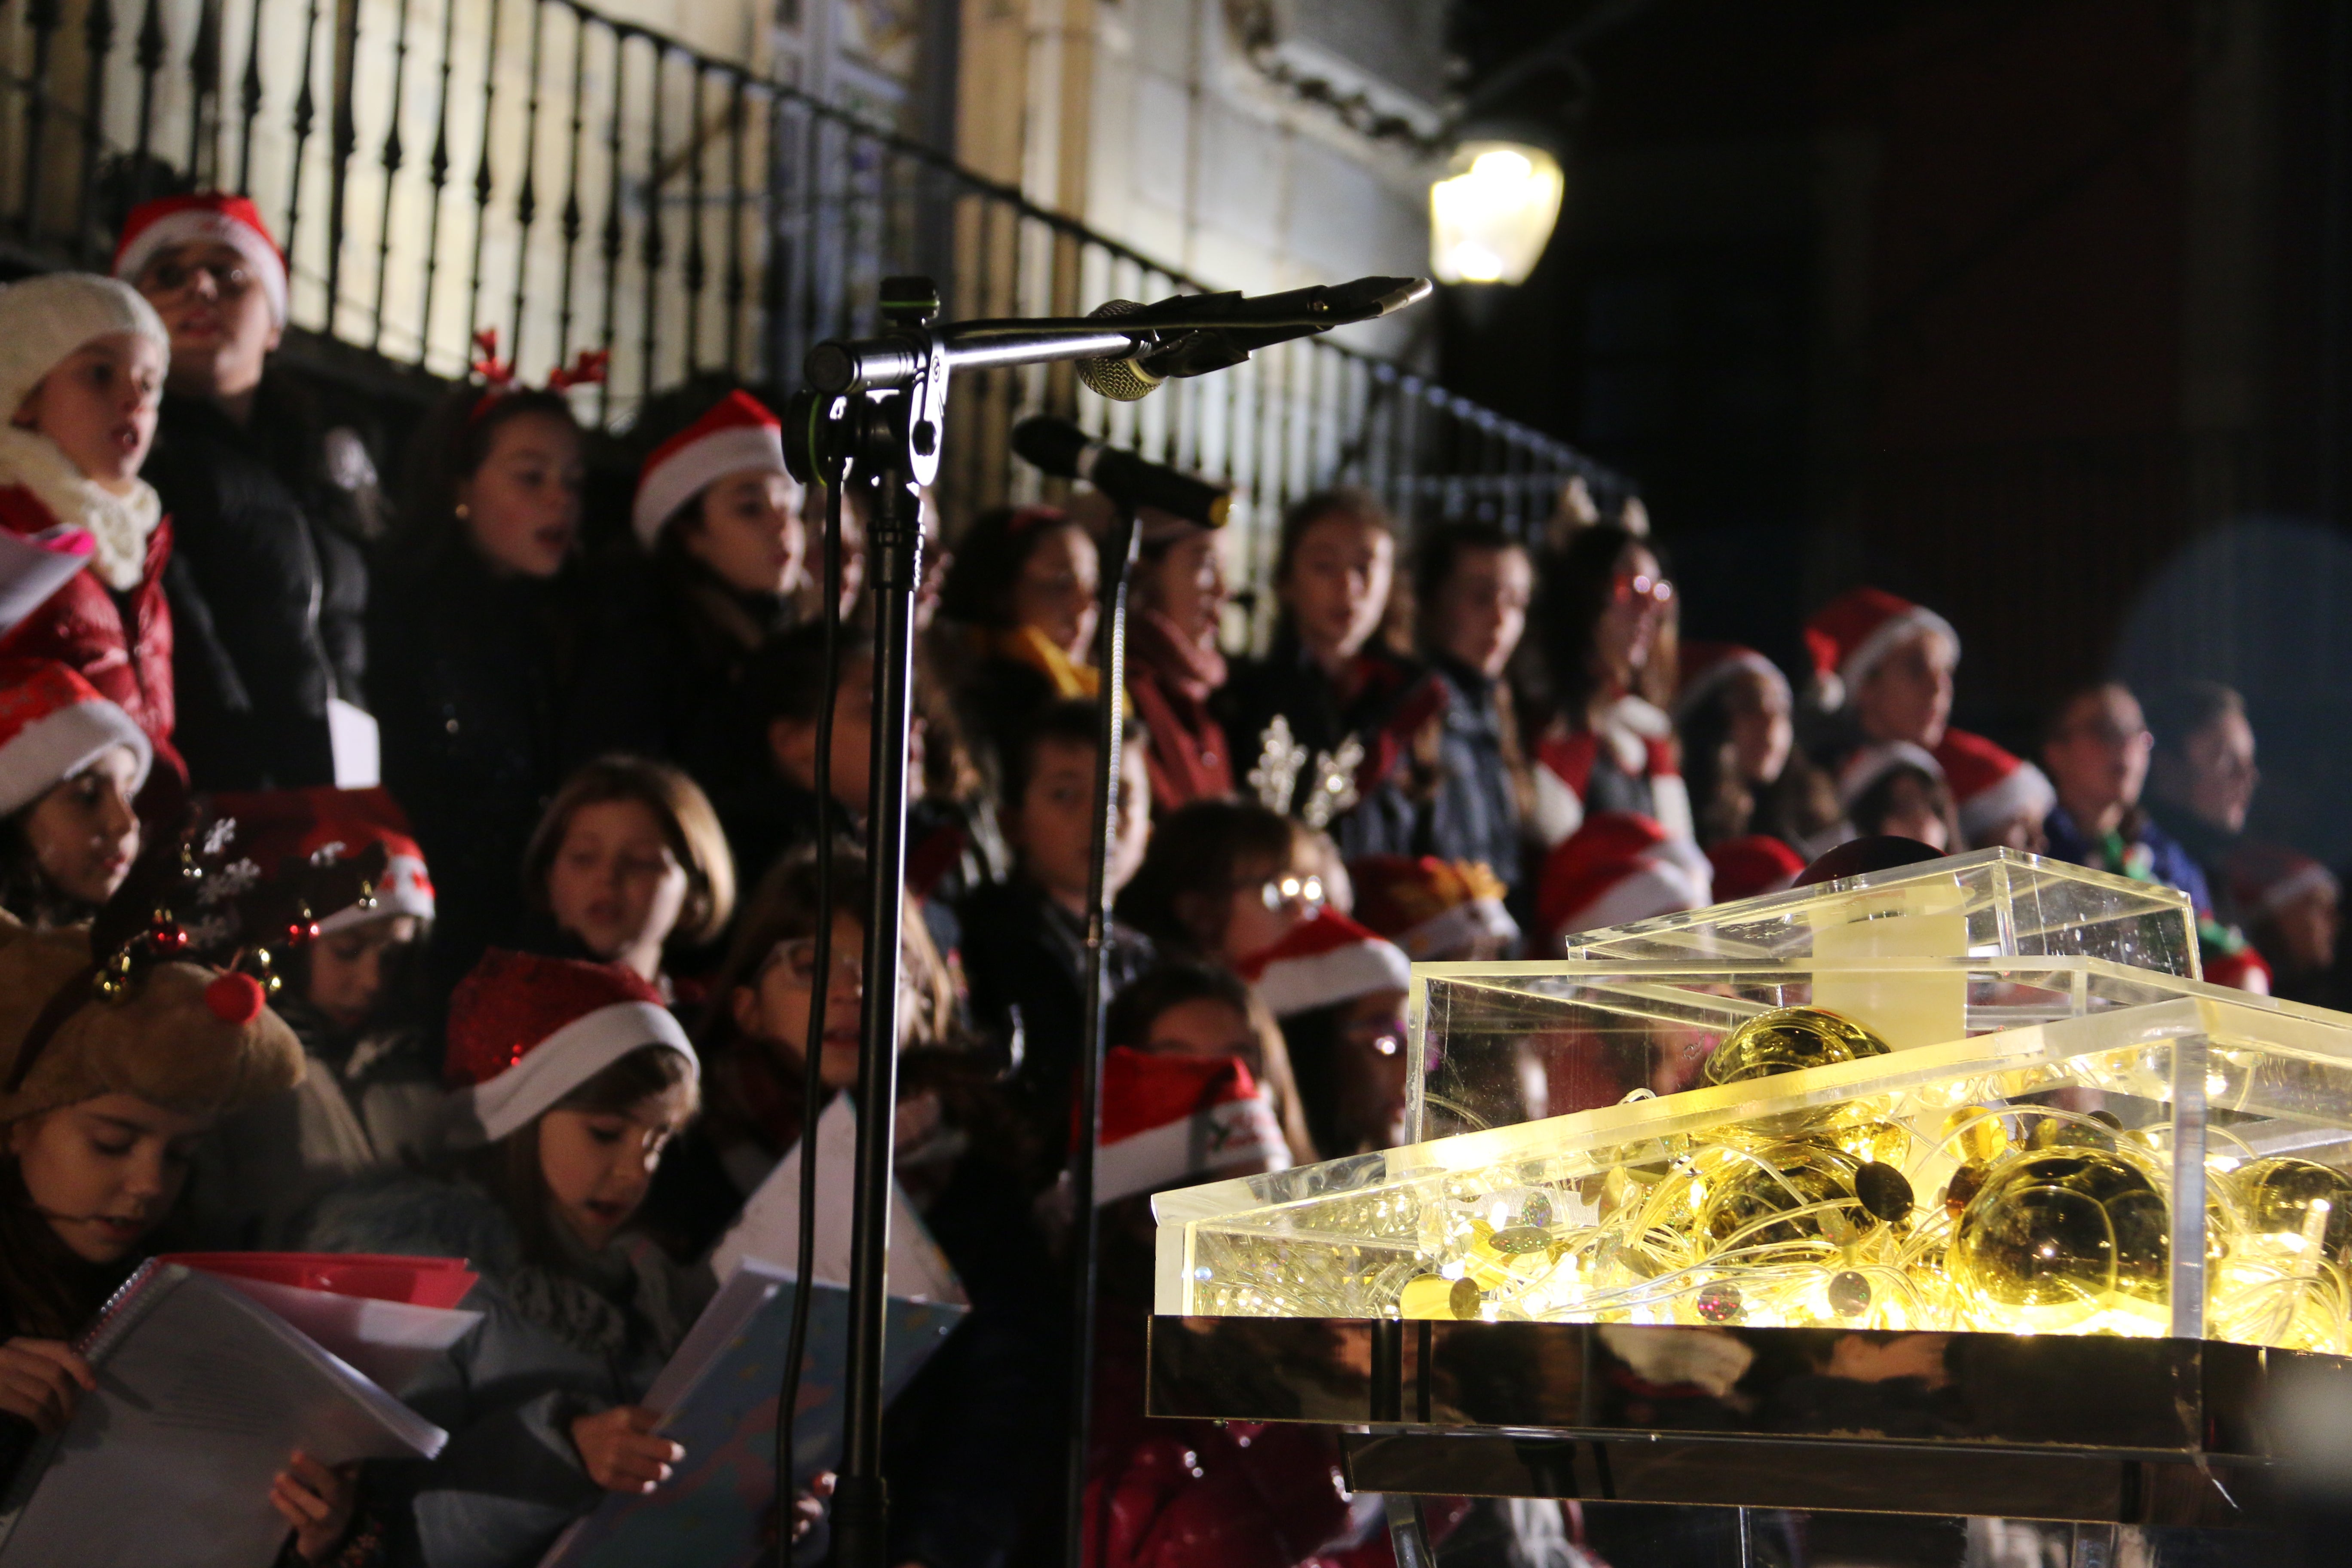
pixel 554 1344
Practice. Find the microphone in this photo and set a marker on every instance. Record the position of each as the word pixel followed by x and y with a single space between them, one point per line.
pixel 1055 446
pixel 1205 332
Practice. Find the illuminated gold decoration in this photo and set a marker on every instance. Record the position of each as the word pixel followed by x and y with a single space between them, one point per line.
pixel 1723 1149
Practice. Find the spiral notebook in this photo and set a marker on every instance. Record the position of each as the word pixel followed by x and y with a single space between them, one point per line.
pixel 202 1394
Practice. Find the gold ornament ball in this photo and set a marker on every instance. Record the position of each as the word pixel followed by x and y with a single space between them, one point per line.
pixel 2281 1198
pixel 1789 1039
pixel 1790 1177
pixel 2051 1238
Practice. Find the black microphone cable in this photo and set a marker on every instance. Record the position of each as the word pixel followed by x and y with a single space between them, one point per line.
pixel 812 1068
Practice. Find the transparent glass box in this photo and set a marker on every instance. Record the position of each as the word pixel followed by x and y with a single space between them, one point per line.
pixel 2050 1141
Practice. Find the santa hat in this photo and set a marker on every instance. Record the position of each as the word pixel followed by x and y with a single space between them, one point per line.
pixel 180 1035
pixel 324 825
pixel 1165 1118
pixel 2244 969
pixel 1870 763
pixel 1324 961
pixel 44 319
pixel 525 1031
pixel 737 435
pixel 2266 878
pixel 213 216
pixel 1989 785
pixel 1848 636
pixel 1708 667
pixel 52 724
pixel 1431 908
pixel 1750 866
pixel 1619 868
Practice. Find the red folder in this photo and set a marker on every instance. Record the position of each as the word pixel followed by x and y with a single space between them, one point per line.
pixel 419 1281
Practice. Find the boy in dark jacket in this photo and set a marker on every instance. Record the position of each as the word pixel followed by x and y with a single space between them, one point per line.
pixel 267 584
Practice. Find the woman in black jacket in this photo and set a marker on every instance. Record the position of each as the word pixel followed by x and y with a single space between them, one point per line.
pixel 475 627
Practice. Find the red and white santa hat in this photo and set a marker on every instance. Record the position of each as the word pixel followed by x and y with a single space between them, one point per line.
pixel 2266 878
pixel 1870 763
pixel 1324 961
pixel 738 435
pixel 324 825
pixel 1619 868
pixel 1165 1118
pixel 1990 784
pixel 1848 636
pixel 1708 667
pixel 1753 866
pixel 207 216
pixel 1431 908
pixel 525 1031
pixel 52 724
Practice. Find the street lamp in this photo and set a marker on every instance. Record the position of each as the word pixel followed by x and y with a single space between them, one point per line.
pixel 1492 214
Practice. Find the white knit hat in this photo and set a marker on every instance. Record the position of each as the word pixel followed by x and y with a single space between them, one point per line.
pixel 44 319
pixel 52 724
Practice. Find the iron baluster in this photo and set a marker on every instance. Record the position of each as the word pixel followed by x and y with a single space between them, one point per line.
pixel 248 102
pixel 393 154
pixel 615 231
pixel 439 166
pixel 696 262
pixel 485 183
pixel 527 194
pixel 736 109
pixel 97 39
pixel 305 119
pixel 347 143
pixel 651 251
pixel 203 90
pixel 571 222
pixel 44 17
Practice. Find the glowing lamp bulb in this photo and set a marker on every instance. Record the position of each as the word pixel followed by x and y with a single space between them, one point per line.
pixel 1491 216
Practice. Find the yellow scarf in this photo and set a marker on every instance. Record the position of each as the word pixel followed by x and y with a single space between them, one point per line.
pixel 1027 644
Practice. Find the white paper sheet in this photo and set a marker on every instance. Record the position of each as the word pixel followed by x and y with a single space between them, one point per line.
pixel 768 1228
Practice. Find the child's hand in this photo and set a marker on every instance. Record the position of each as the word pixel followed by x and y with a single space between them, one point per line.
pixel 808 1509
pixel 41 1381
pixel 317 1502
pixel 621 1451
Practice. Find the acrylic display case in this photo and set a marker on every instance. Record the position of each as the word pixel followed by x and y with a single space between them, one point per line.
pixel 1899 1139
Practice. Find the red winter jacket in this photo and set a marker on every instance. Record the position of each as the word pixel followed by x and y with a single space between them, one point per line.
pixel 121 644
pixel 1198 1494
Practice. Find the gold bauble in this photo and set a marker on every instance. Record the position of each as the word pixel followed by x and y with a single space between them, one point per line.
pixel 2052 1237
pixel 2281 1198
pixel 1981 1134
pixel 1789 1039
pixel 1789 1177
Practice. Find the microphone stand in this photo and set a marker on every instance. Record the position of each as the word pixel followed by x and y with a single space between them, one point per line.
pixel 1110 661
pixel 879 406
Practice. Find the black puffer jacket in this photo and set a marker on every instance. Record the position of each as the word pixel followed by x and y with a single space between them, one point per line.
pixel 268 583
pixel 470 676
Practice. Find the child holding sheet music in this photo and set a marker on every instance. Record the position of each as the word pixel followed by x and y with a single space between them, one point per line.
pixel 576 1080
pixel 100 1103
pixel 973 1440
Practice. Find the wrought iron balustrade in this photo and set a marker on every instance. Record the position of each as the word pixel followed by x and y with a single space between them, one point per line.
pixel 580 181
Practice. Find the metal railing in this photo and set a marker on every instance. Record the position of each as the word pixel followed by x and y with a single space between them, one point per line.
pixel 576 181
